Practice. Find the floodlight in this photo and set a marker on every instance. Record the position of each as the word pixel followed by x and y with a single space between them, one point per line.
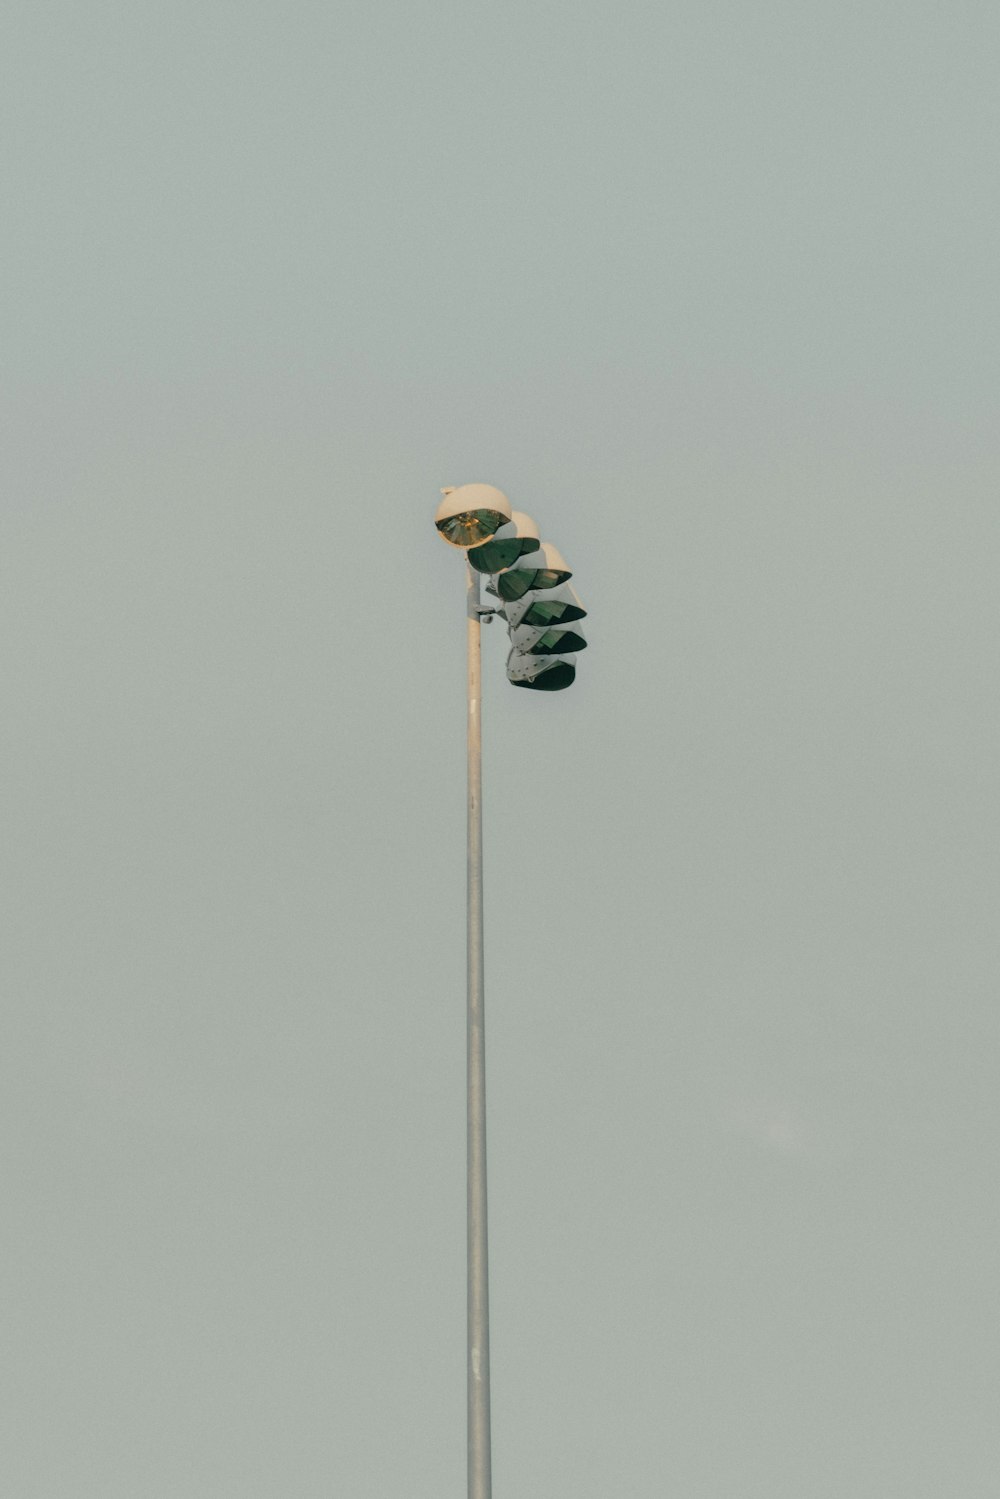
pixel 470 514
pixel 550 606
pixel 549 640
pixel 543 568
pixel 530 581
pixel 543 673
pixel 519 535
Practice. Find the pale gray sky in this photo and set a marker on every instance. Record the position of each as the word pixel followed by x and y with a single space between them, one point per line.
pixel 711 290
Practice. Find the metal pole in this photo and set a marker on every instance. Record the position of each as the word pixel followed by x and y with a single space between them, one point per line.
pixel 480 1479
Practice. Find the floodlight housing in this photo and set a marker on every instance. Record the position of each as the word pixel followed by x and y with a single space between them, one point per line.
pixel 543 673
pixel 543 568
pixel 549 640
pixel 471 513
pixel 549 606
pixel 519 535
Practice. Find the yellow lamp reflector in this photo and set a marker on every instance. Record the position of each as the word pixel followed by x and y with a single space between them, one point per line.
pixel 471 513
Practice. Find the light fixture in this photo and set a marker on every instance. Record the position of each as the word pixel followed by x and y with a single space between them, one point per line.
pixel 543 568
pixel 547 640
pixel 549 606
pixel 471 513
pixel 506 545
pixel 543 673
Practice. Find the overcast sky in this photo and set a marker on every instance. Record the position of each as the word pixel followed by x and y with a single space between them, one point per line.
pixel 710 290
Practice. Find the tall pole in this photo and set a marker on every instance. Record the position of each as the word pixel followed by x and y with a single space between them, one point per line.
pixel 480 1479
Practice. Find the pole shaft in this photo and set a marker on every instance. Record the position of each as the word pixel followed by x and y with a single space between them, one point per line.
pixel 480 1479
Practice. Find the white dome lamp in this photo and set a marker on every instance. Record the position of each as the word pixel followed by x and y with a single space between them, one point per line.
pixel 471 514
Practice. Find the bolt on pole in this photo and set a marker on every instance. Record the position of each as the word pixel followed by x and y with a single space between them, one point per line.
pixel 478 1372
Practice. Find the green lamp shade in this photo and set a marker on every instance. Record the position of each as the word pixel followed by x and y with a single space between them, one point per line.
pixel 553 679
pixel 543 568
pixel 553 606
pixel 542 673
pixel 556 641
pixel 506 545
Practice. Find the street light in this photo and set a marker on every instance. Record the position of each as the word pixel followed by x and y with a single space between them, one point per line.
pixel 531 578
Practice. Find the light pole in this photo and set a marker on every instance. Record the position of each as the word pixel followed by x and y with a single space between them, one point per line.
pixel 479 519
pixel 478 1284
